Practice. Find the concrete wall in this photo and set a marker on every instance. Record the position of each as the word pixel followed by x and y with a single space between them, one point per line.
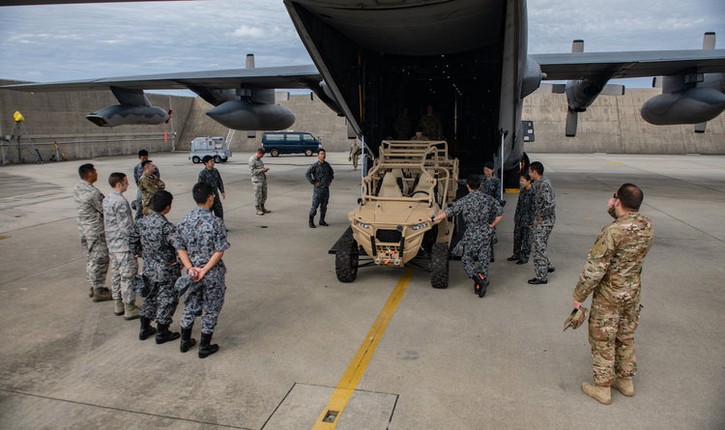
pixel 60 117
pixel 612 124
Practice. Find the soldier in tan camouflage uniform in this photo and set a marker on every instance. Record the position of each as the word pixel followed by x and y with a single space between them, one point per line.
pixel 149 184
pixel 90 226
pixel 430 124
pixel 612 274
pixel 259 181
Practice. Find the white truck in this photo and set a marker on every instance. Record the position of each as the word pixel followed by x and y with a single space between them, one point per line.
pixel 216 147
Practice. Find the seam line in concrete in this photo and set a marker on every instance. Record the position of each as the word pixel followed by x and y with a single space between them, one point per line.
pixel 122 410
pixel 356 369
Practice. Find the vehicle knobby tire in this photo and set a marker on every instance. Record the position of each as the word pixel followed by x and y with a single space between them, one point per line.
pixel 195 160
pixel 217 159
pixel 439 265
pixel 346 259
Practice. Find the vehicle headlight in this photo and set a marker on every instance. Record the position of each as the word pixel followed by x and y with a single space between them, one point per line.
pixel 420 226
pixel 362 224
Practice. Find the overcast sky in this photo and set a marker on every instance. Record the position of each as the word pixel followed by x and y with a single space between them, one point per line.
pixel 67 42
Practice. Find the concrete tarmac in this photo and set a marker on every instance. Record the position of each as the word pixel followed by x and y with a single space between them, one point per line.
pixel 289 330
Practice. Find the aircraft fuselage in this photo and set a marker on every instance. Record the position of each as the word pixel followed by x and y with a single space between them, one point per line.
pixel 465 58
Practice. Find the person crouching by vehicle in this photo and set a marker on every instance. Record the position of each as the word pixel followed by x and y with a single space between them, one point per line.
pixel 481 214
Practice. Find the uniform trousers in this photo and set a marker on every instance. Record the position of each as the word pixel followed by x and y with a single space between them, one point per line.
pixel 611 337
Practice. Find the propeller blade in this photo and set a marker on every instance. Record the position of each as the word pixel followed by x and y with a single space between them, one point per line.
pixel 571 123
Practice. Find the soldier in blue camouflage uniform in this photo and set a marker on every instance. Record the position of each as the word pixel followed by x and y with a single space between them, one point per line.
pixel 151 238
pixel 200 242
pixel 149 183
pixel 89 201
pixel 612 272
pixel 523 219
pixel 490 185
pixel 320 175
pixel 481 214
pixel 544 220
pixel 259 181
pixel 211 176
pixel 118 222
pixel 143 155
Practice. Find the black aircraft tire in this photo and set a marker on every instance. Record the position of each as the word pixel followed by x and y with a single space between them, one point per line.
pixel 346 260
pixel 439 265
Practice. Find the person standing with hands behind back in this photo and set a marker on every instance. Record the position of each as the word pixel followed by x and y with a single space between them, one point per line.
pixel 612 273
pixel 200 241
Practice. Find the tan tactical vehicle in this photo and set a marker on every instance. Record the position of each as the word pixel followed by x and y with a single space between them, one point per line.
pixel 409 182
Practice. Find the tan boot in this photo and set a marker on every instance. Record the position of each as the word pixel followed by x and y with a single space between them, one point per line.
pixel 102 295
pixel 601 394
pixel 131 312
pixel 624 386
pixel 119 308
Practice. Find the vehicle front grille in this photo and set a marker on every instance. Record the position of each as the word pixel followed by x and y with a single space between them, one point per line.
pixel 388 236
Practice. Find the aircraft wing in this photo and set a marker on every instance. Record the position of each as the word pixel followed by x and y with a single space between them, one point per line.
pixel 288 77
pixel 631 64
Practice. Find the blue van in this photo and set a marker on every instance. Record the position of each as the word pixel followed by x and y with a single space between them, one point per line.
pixel 290 142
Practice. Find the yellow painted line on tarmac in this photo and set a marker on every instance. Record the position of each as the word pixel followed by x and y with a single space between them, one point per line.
pixel 4 237
pixel 615 162
pixel 330 415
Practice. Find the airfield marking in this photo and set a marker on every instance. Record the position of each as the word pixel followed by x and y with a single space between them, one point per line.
pixel 351 378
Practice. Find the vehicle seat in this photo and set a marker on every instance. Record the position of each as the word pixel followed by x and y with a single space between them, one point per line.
pixel 424 187
pixel 400 180
pixel 390 187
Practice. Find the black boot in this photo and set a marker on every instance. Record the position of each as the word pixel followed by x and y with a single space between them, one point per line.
pixel 312 222
pixel 186 340
pixel 146 329
pixel 322 219
pixel 164 335
pixel 205 347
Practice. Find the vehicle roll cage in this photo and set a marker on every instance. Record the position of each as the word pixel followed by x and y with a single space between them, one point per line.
pixel 417 171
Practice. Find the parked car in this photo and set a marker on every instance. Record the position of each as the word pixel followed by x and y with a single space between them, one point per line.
pixel 290 142
pixel 217 147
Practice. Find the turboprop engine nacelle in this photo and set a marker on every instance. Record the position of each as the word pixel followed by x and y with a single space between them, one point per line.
pixel 532 77
pixel 243 115
pixel 112 116
pixel 692 106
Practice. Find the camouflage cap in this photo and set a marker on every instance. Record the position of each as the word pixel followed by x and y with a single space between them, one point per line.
pixel 576 318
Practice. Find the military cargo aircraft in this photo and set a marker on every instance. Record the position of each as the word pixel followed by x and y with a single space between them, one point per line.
pixel 466 58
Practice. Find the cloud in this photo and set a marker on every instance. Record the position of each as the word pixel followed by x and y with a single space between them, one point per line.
pixel 65 42
pixel 246 31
